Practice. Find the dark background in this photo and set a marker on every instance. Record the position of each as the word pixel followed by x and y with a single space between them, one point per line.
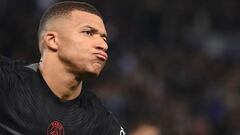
pixel 174 62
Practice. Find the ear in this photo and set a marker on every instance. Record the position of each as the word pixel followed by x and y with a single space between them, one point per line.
pixel 50 39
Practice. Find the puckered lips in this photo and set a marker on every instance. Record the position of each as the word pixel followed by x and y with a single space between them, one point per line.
pixel 102 56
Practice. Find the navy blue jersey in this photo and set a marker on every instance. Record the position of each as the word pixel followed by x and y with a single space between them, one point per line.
pixel 28 107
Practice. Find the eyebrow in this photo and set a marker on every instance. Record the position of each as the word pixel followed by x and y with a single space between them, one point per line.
pixel 96 30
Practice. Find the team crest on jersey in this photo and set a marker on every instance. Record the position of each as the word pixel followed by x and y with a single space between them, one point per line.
pixel 55 128
pixel 122 131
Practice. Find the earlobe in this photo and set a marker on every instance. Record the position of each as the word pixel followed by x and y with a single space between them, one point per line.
pixel 50 38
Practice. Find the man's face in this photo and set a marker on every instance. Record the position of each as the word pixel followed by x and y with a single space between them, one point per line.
pixel 82 44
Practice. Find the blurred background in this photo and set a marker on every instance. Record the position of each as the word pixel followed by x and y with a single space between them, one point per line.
pixel 174 66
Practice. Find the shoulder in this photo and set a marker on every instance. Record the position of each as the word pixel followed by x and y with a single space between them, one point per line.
pixel 105 118
pixel 9 65
pixel 11 70
pixel 13 73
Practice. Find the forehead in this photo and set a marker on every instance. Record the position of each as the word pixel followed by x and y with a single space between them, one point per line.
pixel 81 18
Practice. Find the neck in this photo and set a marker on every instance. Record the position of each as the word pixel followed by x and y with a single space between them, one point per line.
pixel 65 85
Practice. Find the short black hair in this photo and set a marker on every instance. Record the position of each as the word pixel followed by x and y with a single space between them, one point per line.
pixel 65 8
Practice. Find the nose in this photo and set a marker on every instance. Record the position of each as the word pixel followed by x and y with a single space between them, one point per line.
pixel 101 44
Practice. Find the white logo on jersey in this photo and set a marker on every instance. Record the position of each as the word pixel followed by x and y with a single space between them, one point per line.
pixel 122 131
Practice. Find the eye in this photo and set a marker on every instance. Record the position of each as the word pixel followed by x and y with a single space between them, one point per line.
pixel 88 33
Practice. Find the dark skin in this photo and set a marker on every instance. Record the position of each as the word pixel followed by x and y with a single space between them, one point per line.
pixel 74 48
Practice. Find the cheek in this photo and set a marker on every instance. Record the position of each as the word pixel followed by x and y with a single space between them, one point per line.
pixel 77 51
pixel 72 48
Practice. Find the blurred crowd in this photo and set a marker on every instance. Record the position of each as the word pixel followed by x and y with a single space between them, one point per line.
pixel 174 66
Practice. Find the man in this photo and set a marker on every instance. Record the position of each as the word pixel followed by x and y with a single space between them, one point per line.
pixel 48 98
pixel 145 128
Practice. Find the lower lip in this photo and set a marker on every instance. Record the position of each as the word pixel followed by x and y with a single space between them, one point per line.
pixel 101 57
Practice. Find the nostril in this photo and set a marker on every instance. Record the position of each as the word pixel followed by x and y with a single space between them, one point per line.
pixel 99 48
pixel 102 48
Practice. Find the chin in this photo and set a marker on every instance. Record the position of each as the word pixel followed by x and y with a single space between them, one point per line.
pixel 95 73
pixel 92 73
pixel 96 70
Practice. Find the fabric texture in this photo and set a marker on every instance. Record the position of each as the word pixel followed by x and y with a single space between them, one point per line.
pixel 29 107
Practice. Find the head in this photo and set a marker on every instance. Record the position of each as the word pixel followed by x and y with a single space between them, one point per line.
pixel 150 126
pixel 146 129
pixel 73 35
